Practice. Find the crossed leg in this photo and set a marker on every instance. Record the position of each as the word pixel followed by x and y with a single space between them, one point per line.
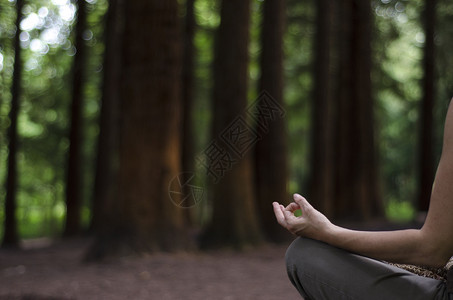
pixel 320 271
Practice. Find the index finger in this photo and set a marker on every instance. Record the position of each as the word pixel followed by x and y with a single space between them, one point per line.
pixel 301 201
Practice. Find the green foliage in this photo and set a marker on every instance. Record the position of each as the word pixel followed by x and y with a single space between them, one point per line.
pixel 208 19
pixel 400 211
pixel 48 52
pixel 396 77
pixel 298 45
pixel 444 44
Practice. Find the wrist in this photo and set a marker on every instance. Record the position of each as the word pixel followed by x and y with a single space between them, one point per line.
pixel 330 234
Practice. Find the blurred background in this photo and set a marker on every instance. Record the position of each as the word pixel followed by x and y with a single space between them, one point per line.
pixel 107 106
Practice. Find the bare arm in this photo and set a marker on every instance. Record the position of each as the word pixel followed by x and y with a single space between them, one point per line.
pixel 430 246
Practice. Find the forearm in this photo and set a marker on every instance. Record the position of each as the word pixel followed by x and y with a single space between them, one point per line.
pixel 428 246
pixel 402 246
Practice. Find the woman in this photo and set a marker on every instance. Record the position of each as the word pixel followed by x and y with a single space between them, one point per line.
pixel 331 262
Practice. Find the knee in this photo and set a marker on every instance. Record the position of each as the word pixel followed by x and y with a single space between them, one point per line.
pixel 291 252
pixel 299 258
pixel 300 250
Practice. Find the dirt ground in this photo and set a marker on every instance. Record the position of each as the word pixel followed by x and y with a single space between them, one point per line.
pixel 54 270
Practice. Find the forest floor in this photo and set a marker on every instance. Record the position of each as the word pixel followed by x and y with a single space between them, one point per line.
pixel 54 270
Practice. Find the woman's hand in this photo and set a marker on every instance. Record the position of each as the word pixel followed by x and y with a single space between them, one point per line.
pixel 311 224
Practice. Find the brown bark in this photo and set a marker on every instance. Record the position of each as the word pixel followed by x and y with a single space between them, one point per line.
pixel 74 171
pixel 357 180
pixel 187 156
pixel 271 165
pixel 426 168
pixel 105 189
pixel 324 109
pixel 346 110
pixel 149 151
pixel 234 219
pixel 10 235
pixel 344 158
pixel 366 191
pixel 142 218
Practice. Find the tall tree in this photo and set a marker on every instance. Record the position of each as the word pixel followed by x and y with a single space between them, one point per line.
pixel 187 94
pixel 346 177
pixel 426 169
pixel 234 219
pixel 10 235
pixel 143 217
pixel 357 188
pixel 271 165
pixel 367 193
pixel 187 86
pixel 324 107
pixel 74 174
pixel 346 110
pixel 105 188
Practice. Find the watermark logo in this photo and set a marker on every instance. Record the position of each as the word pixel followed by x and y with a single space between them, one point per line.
pixel 185 190
pixel 233 143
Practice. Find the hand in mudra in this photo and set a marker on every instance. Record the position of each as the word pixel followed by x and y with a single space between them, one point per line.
pixel 311 223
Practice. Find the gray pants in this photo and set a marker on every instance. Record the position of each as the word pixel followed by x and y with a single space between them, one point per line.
pixel 320 271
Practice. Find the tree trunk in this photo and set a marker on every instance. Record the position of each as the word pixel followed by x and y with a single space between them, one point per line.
pixel 187 157
pixel 10 235
pixel 324 109
pixel 105 189
pixel 366 191
pixel 357 180
pixel 271 165
pixel 74 174
pixel 426 168
pixel 144 218
pixel 234 220
pixel 346 110
pixel 344 166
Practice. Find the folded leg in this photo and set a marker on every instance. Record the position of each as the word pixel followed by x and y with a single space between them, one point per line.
pixel 320 271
